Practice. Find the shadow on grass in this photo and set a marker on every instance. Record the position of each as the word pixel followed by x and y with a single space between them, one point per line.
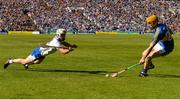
pixel 165 76
pixel 72 71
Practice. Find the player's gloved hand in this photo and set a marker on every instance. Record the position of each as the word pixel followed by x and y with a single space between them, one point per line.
pixel 141 61
pixel 70 49
pixel 74 46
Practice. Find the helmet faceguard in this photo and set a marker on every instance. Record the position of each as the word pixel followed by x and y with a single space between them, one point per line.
pixel 61 34
pixel 152 21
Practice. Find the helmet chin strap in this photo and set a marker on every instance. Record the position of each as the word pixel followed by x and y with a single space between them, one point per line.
pixel 153 27
pixel 61 39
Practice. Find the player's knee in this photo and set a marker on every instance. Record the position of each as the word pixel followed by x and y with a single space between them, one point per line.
pixel 144 52
pixel 148 58
pixel 37 61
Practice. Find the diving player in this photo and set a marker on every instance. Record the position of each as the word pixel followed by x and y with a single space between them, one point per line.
pixel 39 53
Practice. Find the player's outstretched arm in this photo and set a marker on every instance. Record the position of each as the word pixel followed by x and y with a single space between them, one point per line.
pixel 65 50
pixel 69 45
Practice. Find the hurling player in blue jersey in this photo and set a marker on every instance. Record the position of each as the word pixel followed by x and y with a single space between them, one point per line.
pixel 162 44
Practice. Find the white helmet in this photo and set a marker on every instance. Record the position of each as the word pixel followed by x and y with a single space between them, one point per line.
pixel 60 31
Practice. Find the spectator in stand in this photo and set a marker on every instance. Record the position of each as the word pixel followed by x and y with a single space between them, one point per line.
pixel 97 15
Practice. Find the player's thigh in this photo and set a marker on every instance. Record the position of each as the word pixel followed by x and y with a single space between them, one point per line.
pixel 158 50
pixel 30 59
pixel 154 54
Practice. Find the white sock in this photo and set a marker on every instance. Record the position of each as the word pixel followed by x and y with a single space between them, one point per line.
pixel 11 61
pixel 26 65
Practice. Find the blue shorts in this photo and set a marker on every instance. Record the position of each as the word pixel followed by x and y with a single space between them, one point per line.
pixel 36 54
pixel 169 46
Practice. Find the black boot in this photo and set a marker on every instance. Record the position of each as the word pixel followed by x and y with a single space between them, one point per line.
pixel 7 63
pixel 143 73
pixel 26 66
pixel 151 66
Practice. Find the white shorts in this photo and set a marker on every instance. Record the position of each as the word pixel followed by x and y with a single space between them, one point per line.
pixel 159 47
pixel 40 53
pixel 31 58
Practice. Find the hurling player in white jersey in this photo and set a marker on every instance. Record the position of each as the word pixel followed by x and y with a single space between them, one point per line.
pixel 39 53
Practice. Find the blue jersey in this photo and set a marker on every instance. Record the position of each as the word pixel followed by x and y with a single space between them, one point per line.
pixel 162 33
pixel 163 36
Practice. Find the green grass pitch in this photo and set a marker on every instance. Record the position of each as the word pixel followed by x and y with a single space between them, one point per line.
pixel 80 74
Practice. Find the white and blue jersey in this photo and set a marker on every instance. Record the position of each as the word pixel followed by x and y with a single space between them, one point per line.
pixel 162 36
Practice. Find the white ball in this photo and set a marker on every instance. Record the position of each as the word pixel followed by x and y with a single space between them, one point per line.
pixel 107 75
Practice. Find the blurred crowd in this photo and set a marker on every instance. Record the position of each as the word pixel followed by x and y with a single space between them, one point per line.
pixel 87 15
